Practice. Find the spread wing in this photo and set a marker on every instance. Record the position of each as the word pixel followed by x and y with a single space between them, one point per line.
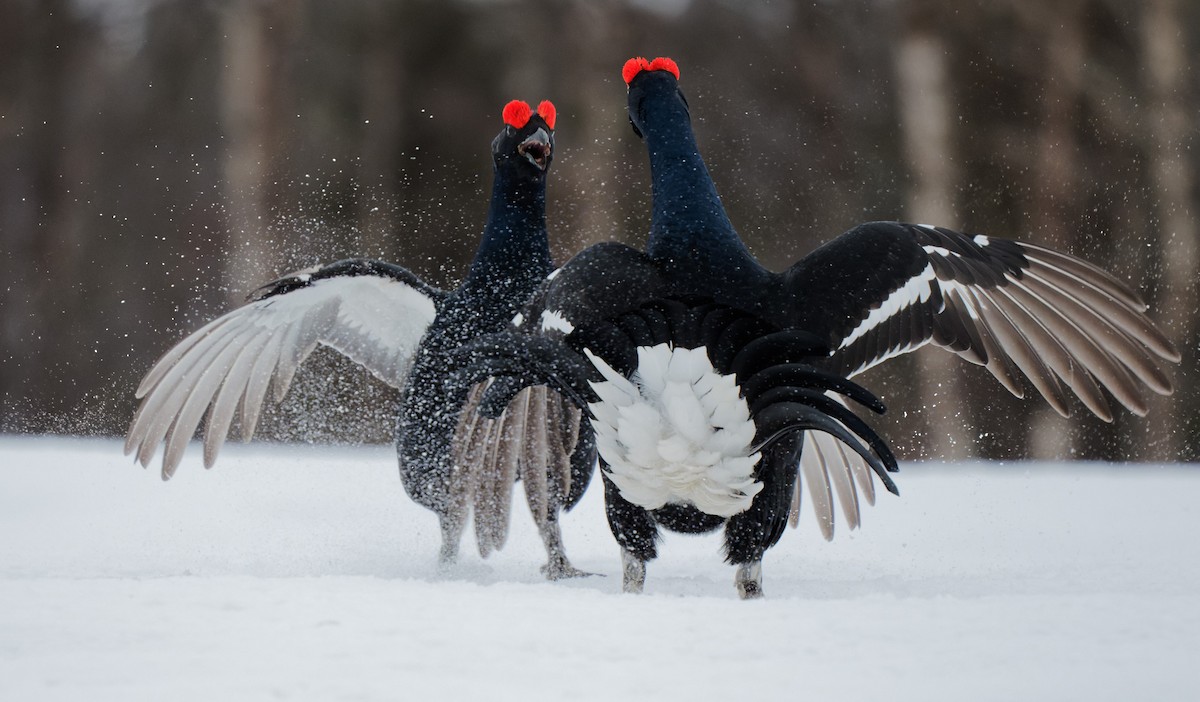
pixel 372 312
pixel 541 438
pixel 887 288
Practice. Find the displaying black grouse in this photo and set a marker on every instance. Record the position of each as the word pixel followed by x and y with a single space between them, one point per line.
pixel 401 329
pixel 705 375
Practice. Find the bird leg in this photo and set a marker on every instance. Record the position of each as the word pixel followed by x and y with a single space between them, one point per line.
pixel 452 528
pixel 557 567
pixel 633 569
pixel 749 534
pixel 748 580
pixel 453 518
pixel 634 529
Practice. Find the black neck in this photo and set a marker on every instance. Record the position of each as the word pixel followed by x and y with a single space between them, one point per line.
pixel 514 249
pixel 688 218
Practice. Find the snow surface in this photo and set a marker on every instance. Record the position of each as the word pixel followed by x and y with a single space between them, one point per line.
pixel 305 573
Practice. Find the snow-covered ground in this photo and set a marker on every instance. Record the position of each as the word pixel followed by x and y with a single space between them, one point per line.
pixel 305 573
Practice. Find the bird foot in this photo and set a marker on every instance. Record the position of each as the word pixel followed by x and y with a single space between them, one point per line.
pixel 563 570
pixel 748 580
pixel 447 557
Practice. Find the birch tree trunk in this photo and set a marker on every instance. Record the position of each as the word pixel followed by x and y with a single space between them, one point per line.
pixel 252 112
pixel 1166 70
pixel 926 108
pixel 383 81
pixel 592 99
pixel 1055 176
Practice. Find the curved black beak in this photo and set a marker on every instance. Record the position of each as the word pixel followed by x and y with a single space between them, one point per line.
pixel 537 149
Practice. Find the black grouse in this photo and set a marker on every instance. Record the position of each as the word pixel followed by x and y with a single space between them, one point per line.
pixel 705 375
pixel 402 329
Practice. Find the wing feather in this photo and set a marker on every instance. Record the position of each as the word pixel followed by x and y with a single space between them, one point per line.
pixel 162 407
pixel 486 485
pixel 493 499
pixel 843 484
pixel 1083 350
pixel 1106 331
pixel 256 386
pixel 1084 271
pixel 234 387
pixel 534 453
pixel 196 401
pixel 816 476
pixel 376 320
pixel 887 288
pixel 834 470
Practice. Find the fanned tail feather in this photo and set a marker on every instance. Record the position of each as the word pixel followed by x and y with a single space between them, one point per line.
pixel 676 431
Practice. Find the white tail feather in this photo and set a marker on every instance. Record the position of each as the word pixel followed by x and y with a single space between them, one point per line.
pixel 676 431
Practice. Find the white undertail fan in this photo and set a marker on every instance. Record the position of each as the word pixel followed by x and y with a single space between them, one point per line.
pixel 688 422
pixel 676 430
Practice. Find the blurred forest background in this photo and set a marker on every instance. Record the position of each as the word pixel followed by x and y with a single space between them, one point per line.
pixel 161 158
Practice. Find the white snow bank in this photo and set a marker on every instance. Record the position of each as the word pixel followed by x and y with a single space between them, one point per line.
pixel 305 573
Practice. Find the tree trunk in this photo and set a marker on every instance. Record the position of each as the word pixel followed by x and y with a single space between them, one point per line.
pixel 252 96
pixel 383 82
pixel 926 108
pixel 1166 71
pixel 1055 182
pixel 592 99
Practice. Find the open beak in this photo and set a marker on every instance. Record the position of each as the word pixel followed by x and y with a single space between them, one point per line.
pixel 536 148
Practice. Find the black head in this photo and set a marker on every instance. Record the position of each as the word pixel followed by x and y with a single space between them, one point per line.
pixel 525 147
pixel 652 84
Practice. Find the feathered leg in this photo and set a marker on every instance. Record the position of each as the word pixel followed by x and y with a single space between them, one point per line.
pixel 749 534
pixel 452 529
pixel 635 530
pixel 450 502
pixel 546 475
pixel 633 572
pixel 453 516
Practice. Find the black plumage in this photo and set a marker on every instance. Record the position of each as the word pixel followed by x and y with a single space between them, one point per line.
pixel 403 330
pixel 877 291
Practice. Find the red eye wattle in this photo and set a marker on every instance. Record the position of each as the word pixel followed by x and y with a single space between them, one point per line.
pixel 517 114
pixel 633 67
pixel 662 63
pixel 547 112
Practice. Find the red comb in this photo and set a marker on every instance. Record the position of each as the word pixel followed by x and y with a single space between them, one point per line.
pixel 662 63
pixel 517 114
pixel 547 112
pixel 638 64
pixel 633 67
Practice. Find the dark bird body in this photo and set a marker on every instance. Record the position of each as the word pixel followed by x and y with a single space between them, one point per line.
pixel 695 441
pixel 402 330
